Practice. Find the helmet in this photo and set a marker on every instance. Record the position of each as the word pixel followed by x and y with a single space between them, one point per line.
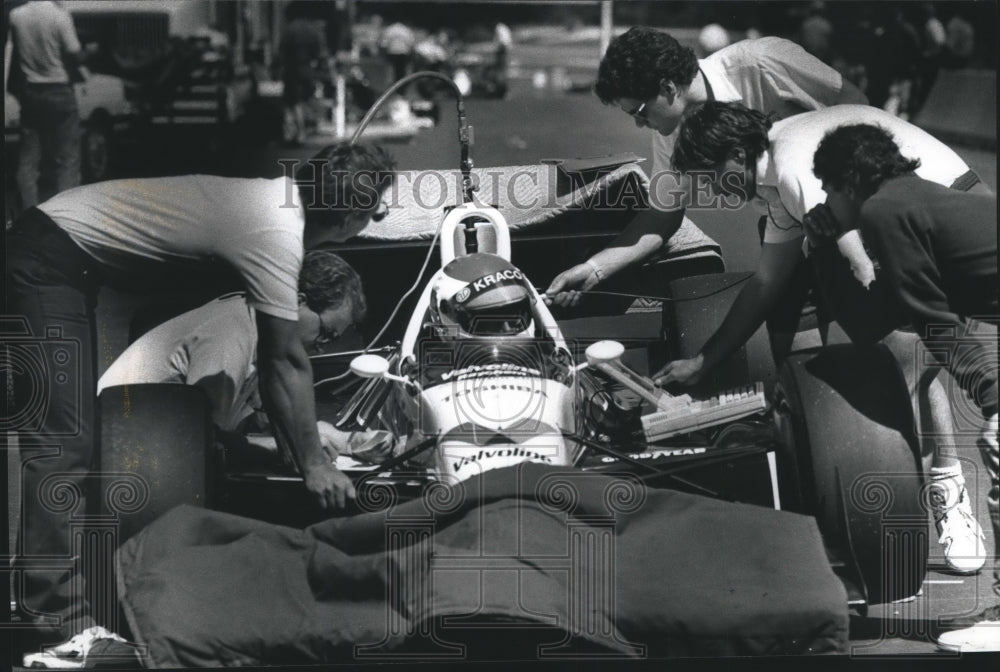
pixel 483 295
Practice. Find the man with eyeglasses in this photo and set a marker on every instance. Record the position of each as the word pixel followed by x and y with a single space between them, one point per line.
pixel 161 230
pixel 214 347
pixel 654 79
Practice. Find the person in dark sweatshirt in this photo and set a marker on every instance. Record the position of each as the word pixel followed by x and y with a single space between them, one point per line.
pixel 935 250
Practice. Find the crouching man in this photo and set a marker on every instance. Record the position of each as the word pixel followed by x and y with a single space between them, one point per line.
pixel 214 347
pixel 936 249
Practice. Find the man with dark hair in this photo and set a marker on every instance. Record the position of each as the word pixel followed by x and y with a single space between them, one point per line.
pixel 214 347
pixel 654 79
pixel 771 166
pixel 60 252
pixel 937 255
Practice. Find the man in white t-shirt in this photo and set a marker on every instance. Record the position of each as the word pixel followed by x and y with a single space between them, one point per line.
pixel 59 254
pixel 772 166
pixel 654 79
pixel 214 346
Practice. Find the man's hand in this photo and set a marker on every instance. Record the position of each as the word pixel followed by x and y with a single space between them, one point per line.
pixel 821 226
pixel 333 440
pixel 330 485
pixel 566 288
pixel 684 372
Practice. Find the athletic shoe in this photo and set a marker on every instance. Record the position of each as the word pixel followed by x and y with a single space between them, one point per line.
pixel 958 530
pixel 74 654
pixel 981 637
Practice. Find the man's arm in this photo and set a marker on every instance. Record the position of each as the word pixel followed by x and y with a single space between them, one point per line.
pixel 644 235
pixel 867 314
pixel 72 53
pixel 287 393
pixel 758 296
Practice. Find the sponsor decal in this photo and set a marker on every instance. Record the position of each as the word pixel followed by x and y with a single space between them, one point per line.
pixel 494 386
pixel 659 454
pixel 463 295
pixel 499 453
pixel 490 371
pixel 504 277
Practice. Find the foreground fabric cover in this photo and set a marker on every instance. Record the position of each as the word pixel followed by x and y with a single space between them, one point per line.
pixel 624 569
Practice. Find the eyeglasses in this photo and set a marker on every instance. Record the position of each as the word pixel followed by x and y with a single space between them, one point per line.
pixel 325 337
pixel 639 112
pixel 381 213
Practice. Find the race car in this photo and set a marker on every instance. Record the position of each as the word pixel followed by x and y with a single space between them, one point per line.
pixel 484 377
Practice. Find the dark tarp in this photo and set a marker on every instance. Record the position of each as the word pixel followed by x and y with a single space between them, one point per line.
pixel 619 567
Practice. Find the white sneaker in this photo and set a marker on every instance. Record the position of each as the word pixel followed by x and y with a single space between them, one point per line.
pixel 958 530
pixel 981 637
pixel 70 655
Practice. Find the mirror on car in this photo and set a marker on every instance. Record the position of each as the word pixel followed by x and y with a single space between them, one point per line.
pixel 370 366
pixel 604 351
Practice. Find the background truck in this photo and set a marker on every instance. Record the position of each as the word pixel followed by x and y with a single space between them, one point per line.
pixel 182 59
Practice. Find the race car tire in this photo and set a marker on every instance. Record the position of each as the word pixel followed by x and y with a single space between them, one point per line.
pixel 849 457
pixel 156 452
pixel 699 305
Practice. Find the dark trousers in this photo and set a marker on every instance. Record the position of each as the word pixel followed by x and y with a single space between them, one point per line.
pixel 400 65
pixel 50 140
pixel 51 287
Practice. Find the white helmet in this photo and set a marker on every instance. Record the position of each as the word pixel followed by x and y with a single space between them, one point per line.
pixel 483 295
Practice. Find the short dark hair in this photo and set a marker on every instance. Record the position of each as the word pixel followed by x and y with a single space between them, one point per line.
pixel 638 60
pixel 350 181
pixel 327 281
pixel 861 156
pixel 709 134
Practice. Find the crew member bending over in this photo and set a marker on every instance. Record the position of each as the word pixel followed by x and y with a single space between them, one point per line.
pixel 936 250
pixel 654 79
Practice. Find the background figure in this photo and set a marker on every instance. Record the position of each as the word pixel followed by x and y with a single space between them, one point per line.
pixel 932 43
pixel 504 39
pixel 711 39
pixel 45 64
pixel 960 43
pixel 397 44
pixel 816 32
pixel 303 52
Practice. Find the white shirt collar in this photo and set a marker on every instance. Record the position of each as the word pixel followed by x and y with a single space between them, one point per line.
pixel 766 175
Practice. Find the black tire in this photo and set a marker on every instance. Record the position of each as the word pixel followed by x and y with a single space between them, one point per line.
pixel 850 459
pixel 95 151
pixel 699 306
pixel 156 442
